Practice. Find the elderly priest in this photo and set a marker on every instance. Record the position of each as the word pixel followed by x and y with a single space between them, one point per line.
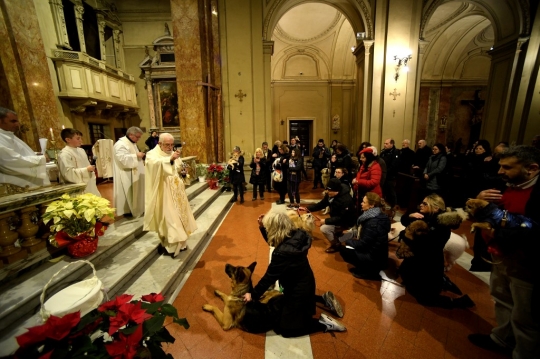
pixel 167 209
pixel 19 164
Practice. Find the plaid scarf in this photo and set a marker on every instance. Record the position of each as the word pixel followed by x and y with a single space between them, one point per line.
pixel 370 213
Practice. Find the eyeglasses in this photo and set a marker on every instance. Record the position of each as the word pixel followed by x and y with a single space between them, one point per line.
pixel 167 144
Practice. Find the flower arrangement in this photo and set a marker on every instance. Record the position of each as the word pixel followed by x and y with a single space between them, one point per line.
pixel 217 174
pixel 201 169
pixel 120 328
pixel 76 222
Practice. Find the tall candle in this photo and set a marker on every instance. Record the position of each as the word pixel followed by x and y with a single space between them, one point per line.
pixel 52 134
pixel 63 127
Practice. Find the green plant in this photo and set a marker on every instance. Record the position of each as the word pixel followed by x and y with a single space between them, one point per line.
pixel 120 328
pixel 76 215
pixel 201 169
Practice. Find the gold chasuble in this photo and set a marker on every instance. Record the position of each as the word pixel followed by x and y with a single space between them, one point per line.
pixel 167 209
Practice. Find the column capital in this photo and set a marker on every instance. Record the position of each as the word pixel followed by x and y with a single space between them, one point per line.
pixel 268 47
pixel 422 46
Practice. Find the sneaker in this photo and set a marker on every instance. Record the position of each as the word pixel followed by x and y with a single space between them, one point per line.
pixel 484 341
pixel 332 325
pixel 331 302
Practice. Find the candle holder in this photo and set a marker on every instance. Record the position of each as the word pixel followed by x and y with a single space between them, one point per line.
pixel 55 151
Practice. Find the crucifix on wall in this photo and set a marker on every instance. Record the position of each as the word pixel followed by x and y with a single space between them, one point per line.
pixel 240 95
pixel 477 108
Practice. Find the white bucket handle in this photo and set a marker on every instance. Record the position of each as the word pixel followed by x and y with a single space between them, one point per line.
pixel 45 314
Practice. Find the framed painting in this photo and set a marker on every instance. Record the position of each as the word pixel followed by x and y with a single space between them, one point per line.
pixel 168 104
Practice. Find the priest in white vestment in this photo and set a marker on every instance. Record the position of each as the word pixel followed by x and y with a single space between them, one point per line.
pixel 128 171
pixel 73 162
pixel 19 164
pixel 167 209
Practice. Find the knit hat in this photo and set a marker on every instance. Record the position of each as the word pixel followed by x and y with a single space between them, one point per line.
pixel 367 149
pixel 334 185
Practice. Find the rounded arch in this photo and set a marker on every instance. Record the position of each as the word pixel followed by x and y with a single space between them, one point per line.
pixel 508 19
pixel 357 12
pixel 320 68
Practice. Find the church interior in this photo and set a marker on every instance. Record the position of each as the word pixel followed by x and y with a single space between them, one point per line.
pixel 218 74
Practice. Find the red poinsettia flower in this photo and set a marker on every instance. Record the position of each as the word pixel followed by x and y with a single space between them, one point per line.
pixel 126 345
pixel 115 303
pixel 59 328
pixel 153 297
pixel 128 312
pixel 55 328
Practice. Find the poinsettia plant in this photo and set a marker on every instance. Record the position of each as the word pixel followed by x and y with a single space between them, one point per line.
pixel 120 328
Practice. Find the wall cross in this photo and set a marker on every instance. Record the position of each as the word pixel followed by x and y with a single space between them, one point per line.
pixel 240 95
pixel 395 94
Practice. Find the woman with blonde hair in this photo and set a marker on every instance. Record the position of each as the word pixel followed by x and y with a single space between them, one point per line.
pixel 290 265
pixel 258 173
pixel 423 272
pixel 368 250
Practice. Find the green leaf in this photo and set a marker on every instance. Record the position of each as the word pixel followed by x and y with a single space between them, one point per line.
pixel 182 321
pixel 151 308
pixel 169 310
pixel 68 213
pixel 129 330
pixel 153 325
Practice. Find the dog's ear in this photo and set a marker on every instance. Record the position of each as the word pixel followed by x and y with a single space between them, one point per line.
pixel 251 267
pixel 240 275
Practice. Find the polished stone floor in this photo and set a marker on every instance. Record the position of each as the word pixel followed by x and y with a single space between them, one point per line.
pixel 382 320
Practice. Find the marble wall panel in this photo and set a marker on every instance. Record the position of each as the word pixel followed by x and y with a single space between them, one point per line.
pixel 38 109
pixel 189 64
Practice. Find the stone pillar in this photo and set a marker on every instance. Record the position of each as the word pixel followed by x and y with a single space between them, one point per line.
pixel 23 58
pixel 502 92
pixel 57 11
pixel 79 11
pixel 116 38
pixel 366 98
pixel 410 131
pixel 194 54
pixel 101 31
pixel 268 51
pixel 151 107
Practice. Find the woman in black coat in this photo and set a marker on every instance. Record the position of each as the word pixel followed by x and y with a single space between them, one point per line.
pixel 434 172
pixel 282 163
pixel 369 253
pixel 423 272
pixel 296 164
pixel 259 170
pixel 290 266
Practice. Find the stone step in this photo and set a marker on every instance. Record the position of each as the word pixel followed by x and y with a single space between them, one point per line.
pixel 126 258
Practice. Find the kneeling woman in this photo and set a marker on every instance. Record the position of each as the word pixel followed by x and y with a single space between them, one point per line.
pixel 369 253
pixel 290 266
pixel 423 272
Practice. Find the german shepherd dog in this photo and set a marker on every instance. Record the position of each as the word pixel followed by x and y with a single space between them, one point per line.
pixel 253 317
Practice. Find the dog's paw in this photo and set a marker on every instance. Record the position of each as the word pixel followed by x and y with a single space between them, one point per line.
pixel 208 308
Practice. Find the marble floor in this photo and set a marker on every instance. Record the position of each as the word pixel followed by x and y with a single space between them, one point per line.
pixel 382 320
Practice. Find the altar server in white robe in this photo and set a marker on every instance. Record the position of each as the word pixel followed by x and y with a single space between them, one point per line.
pixel 19 164
pixel 167 209
pixel 128 171
pixel 73 162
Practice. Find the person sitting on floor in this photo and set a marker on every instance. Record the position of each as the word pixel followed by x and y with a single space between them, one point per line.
pixel 290 265
pixel 367 248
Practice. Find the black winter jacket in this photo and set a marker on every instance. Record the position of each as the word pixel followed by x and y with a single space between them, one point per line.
pixel 342 211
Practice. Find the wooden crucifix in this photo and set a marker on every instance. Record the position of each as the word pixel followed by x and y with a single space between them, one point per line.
pixel 395 94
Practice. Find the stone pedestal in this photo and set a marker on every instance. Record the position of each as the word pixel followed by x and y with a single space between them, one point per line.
pixel 28 230
pixel 10 253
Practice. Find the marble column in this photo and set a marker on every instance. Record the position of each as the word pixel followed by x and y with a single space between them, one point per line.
pixel 57 10
pixel 79 12
pixel 101 31
pixel 196 59
pixel 23 58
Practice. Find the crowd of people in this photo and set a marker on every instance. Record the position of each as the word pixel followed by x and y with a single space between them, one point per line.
pixel 358 191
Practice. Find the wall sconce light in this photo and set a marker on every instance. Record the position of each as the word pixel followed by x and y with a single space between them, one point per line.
pixel 214 10
pixel 282 122
pixel 360 35
pixel 442 124
pixel 401 62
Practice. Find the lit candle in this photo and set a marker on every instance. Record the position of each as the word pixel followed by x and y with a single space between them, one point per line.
pixel 52 134
pixel 63 127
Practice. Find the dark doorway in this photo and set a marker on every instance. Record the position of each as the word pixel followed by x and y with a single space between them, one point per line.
pixel 302 129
